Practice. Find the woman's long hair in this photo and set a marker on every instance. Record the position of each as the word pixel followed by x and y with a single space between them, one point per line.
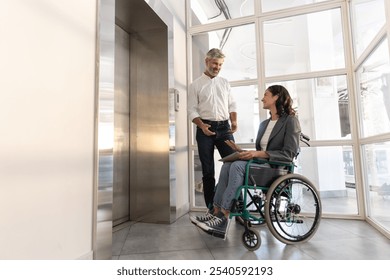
pixel 284 102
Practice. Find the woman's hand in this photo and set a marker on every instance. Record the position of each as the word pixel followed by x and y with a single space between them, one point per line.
pixel 244 154
pixel 247 155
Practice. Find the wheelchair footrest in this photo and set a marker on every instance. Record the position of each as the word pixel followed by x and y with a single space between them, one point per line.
pixel 243 221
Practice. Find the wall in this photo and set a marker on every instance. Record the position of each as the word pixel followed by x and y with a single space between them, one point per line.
pixel 47 78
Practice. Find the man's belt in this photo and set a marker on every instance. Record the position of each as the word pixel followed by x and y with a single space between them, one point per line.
pixel 215 122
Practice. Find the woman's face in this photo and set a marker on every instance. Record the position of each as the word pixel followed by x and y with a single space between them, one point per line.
pixel 269 100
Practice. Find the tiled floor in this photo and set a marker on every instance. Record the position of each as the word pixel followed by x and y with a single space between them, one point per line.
pixel 335 240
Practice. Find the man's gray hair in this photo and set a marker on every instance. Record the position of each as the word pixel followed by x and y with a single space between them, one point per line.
pixel 215 53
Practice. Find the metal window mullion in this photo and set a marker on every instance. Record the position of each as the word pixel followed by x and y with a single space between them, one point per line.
pixel 353 108
pixel 385 137
pixel 307 75
pixel 193 30
pixel 241 83
pixel 257 8
pixel 380 36
pixel 387 15
pixel 260 65
pixel 192 146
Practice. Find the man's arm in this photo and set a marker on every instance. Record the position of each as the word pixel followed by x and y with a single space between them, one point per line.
pixel 233 121
pixel 192 103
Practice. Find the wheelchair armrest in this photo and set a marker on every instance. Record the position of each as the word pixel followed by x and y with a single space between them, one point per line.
pixel 258 160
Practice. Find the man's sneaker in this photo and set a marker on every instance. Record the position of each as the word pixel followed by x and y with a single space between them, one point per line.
pixel 217 227
pixel 202 219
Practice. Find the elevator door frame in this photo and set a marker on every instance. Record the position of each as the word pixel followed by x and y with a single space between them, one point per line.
pixel 121 152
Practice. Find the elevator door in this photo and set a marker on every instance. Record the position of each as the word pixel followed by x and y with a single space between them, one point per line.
pixel 121 182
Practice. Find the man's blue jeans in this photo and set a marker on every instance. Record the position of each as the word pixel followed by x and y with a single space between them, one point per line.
pixel 206 146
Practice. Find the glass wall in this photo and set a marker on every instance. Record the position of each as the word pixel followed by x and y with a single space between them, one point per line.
pixel 305 46
pixel 333 172
pixel 247 98
pixel 372 68
pixel 303 43
pixel 318 97
pixel 240 51
pixel 365 25
pixel 377 162
pixel 374 78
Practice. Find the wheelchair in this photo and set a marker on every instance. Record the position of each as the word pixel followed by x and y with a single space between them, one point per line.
pixel 288 203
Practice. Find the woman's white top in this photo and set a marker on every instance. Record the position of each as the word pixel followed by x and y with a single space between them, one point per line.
pixel 266 135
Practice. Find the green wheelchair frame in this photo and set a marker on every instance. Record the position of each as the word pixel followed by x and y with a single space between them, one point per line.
pixel 290 206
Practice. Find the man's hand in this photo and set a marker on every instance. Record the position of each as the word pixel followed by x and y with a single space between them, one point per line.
pixel 205 129
pixel 233 127
pixel 233 145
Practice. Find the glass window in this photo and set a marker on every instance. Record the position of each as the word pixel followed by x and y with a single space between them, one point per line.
pixel 207 11
pixel 377 169
pixel 240 51
pixel 322 105
pixel 338 192
pixel 272 5
pixel 304 43
pixel 247 99
pixel 374 83
pixel 365 26
pixel 348 163
pixel 198 185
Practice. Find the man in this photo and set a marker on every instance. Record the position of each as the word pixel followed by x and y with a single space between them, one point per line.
pixel 210 107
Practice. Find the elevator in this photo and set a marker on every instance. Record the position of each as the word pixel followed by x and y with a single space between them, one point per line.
pixel 141 151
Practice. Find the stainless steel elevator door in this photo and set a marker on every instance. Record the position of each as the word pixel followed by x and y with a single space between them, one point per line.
pixel 121 187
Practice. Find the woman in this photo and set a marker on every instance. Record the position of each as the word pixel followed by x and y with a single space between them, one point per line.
pixel 277 140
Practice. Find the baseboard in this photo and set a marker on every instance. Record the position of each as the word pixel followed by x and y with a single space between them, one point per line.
pixel 87 256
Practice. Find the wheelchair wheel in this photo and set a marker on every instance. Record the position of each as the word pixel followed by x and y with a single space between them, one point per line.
pixel 251 239
pixel 293 209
